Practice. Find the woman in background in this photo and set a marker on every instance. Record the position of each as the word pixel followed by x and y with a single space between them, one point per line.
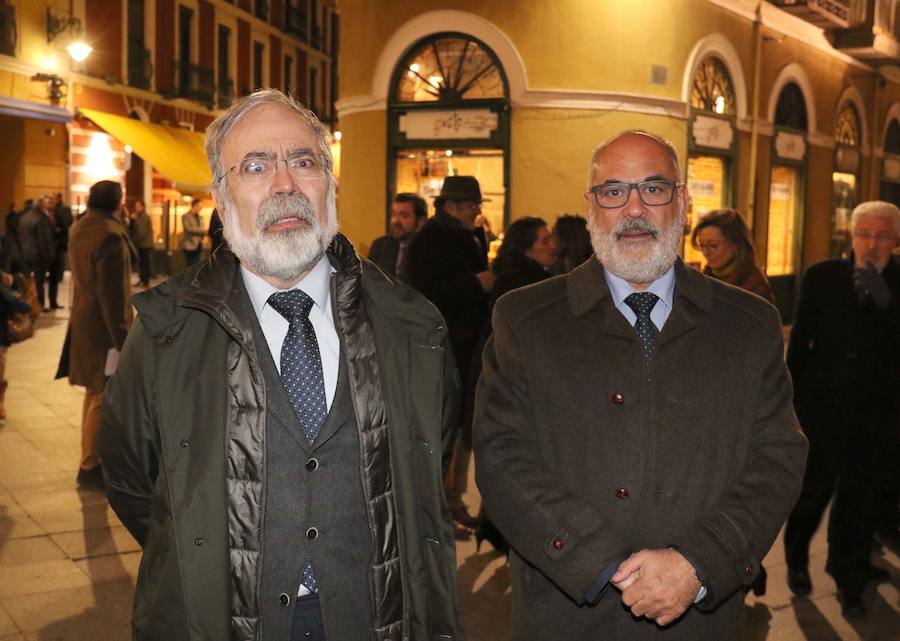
pixel 573 243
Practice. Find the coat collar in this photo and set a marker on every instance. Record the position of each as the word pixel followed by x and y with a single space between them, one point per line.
pixel 586 288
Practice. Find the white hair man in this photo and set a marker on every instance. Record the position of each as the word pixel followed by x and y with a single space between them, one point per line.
pixel 634 426
pixel 844 357
pixel 259 441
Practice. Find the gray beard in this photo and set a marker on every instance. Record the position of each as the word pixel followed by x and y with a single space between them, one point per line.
pixel 284 255
pixel 663 250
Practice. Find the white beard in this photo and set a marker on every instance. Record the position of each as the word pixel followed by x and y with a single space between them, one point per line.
pixel 653 259
pixel 284 255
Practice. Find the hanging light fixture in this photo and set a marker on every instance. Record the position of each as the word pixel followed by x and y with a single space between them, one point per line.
pixel 78 48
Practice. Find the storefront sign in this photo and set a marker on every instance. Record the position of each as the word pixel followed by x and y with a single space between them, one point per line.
pixel 891 170
pixel 790 146
pixel 846 159
pixel 447 125
pixel 712 132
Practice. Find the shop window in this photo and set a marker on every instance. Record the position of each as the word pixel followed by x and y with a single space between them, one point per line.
pixel 711 89
pixel 784 202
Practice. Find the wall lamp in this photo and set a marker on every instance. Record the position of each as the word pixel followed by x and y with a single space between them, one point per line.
pixel 78 49
pixel 54 86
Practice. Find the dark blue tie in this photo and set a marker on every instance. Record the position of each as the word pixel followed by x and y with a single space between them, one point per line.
pixel 301 364
pixel 301 373
pixel 642 304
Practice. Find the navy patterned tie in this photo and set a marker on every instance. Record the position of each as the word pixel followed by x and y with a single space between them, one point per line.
pixel 642 304
pixel 301 373
pixel 301 364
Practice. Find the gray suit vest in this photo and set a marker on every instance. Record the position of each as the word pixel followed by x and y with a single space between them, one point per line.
pixel 313 507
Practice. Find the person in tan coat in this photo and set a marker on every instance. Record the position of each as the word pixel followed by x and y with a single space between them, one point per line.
pixel 101 312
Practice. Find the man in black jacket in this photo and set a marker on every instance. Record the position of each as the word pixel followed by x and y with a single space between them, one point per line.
pixel 38 245
pixel 274 433
pixel 448 264
pixel 844 357
pixel 389 252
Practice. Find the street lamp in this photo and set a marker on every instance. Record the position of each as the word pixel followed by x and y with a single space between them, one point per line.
pixel 78 49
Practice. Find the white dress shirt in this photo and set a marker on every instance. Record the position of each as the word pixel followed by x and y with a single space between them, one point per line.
pixel 317 285
pixel 663 287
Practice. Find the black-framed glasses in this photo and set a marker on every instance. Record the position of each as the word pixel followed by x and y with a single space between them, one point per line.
pixel 261 169
pixel 651 192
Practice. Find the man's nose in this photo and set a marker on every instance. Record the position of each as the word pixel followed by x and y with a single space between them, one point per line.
pixel 282 181
pixel 634 207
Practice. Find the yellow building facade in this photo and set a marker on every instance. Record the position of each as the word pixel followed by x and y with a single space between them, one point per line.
pixel 767 114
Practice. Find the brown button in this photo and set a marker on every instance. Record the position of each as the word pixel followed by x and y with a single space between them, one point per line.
pixel 558 544
pixel 621 493
pixel 618 399
pixel 748 570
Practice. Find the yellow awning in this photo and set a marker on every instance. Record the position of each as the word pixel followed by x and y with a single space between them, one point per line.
pixel 175 153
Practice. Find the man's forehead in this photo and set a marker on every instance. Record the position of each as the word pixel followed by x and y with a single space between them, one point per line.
pixel 269 128
pixel 869 220
pixel 635 151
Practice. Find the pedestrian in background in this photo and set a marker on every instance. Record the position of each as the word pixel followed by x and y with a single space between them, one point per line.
pixel 38 245
pixel 101 313
pixel 723 238
pixel 390 252
pixel 141 228
pixel 573 243
pixel 192 233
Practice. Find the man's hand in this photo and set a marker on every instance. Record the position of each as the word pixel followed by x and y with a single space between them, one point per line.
pixel 657 584
pixel 869 280
pixel 486 279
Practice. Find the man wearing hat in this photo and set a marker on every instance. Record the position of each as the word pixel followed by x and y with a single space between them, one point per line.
pixel 448 265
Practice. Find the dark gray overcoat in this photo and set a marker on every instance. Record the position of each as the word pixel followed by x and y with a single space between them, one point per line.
pixel 581 459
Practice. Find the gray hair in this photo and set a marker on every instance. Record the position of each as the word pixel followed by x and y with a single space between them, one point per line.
pixel 876 209
pixel 222 126
pixel 665 144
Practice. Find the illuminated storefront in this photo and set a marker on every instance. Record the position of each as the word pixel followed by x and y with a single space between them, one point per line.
pixel 845 179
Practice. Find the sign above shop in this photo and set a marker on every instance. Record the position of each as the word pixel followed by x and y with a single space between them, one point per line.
pixel 715 133
pixel 846 159
pixel 456 124
pixel 790 146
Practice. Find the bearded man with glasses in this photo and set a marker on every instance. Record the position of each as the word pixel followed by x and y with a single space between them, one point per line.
pixel 259 440
pixel 634 426
pixel 844 356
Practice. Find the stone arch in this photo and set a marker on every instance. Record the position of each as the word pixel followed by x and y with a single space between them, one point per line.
pixel 793 72
pixel 718 45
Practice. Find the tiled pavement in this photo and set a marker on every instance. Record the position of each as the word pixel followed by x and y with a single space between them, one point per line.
pixel 67 567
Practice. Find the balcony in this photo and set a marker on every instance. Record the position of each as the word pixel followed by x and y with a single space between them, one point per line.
pixel 226 93
pixel 140 67
pixel 8 29
pixel 295 22
pixel 874 34
pixel 196 83
pixel 825 14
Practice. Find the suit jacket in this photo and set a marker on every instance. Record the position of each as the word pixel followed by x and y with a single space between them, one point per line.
pixel 384 254
pixel 101 306
pixel 582 455
pixel 192 238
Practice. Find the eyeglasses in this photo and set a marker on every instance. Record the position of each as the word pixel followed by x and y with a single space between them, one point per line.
pixel 880 237
pixel 651 192
pixel 260 169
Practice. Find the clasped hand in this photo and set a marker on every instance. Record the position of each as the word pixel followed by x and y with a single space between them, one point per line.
pixel 657 584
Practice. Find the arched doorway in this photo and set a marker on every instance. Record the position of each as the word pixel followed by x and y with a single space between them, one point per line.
pixel 712 145
pixel 890 171
pixel 449 115
pixel 787 197
pixel 845 178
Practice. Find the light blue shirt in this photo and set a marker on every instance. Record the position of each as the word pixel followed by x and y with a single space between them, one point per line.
pixel 663 287
pixel 317 285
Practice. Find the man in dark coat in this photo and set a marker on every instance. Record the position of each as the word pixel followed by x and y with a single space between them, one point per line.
pixel 101 313
pixel 844 356
pixel 634 426
pixel 275 432
pixel 38 246
pixel 389 252
pixel 142 238
pixel 448 264
pixel 62 222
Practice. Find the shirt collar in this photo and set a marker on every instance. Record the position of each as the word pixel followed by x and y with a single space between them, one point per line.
pixel 663 287
pixel 316 284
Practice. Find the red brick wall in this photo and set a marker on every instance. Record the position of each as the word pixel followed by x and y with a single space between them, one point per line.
pixel 103 29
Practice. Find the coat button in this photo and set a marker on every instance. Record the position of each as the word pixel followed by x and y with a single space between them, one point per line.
pixel 748 570
pixel 199 541
pixel 169 339
pixel 618 399
pixel 558 544
pixel 284 599
pixel 312 534
pixel 312 464
pixel 621 493
pixel 185 443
